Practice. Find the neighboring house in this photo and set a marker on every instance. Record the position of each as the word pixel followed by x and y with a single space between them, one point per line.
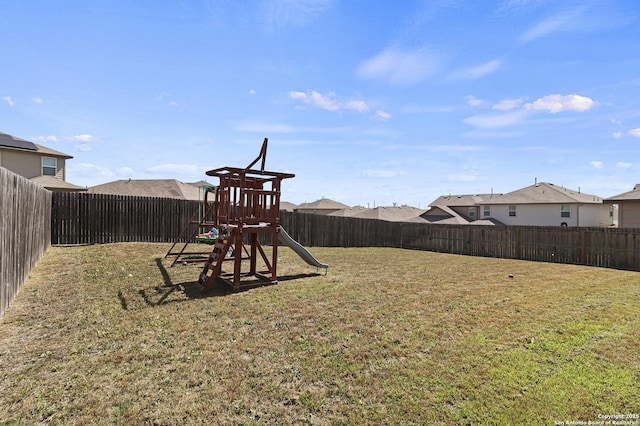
pixel 161 188
pixel 456 209
pixel 321 206
pixel 393 214
pixel 541 204
pixel 42 165
pixel 287 206
pixel 628 204
pixel 349 211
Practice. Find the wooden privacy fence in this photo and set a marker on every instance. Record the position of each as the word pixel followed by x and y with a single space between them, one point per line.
pixel 25 233
pixel 79 218
pixel 82 218
pixel 605 247
pixel 335 231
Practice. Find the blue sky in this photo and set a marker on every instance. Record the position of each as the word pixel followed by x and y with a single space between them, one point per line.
pixel 367 102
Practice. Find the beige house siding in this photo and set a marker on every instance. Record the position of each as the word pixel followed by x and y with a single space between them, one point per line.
pixel 22 163
pixel 29 164
pixel 629 214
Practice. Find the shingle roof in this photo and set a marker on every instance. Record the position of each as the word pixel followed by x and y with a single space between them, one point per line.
pixel 163 188
pixel 285 205
pixel 349 211
pixel 322 204
pixel 55 184
pixel 13 142
pixel 460 200
pixel 633 195
pixel 393 214
pixel 542 193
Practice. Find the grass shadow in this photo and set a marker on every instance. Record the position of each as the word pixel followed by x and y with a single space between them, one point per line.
pixel 160 294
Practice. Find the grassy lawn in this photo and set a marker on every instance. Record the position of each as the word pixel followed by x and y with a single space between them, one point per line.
pixel 109 334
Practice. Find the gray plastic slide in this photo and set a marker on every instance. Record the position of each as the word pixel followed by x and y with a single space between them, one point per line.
pixel 300 249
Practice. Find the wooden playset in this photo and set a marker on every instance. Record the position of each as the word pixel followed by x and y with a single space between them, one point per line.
pixel 246 206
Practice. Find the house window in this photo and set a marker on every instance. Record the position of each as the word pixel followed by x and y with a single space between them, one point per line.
pixel 472 212
pixel 486 211
pixel 565 210
pixel 49 166
pixel 512 210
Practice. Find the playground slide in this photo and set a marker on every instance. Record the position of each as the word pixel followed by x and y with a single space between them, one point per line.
pixel 300 249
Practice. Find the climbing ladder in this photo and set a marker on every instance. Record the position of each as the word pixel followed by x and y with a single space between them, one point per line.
pixel 213 266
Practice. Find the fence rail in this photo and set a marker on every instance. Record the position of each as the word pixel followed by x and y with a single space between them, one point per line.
pixel 25 232
pixel 82 218
pixel 79 218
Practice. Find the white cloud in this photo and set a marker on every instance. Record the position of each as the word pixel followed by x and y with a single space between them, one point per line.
pixel 37 100
pixel 400 67
pixel 359 106
pixel 46 139
pixel 173 103
pixel 252 92
pixel 89 170
pixel 558 103
pixel 473 101
pixel 565 21
pixel 377 173
pixel 635 132
pixel 617 135
pixel 623 165
pixel 507 104
pixel 596 164
pixel 382 115
pixel 83 138
pixel 490 121
pixel 476 72
pixel 9 100
pixel 125 171
pixel 329 101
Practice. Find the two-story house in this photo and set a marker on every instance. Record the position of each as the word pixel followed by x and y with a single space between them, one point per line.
pixel 44 166
pixel 541 204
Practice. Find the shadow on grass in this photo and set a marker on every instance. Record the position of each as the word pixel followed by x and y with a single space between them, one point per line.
pixel 159 295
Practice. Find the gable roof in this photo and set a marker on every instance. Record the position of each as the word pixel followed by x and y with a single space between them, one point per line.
pixel 393 214
pixel 8 141
pixel 54 184
pixel 349 211
pixel 287 206
pixel 162 188
pixel 460 200
pixel 15 143
pixel 633 195
pixel 543 193
pixel 322 204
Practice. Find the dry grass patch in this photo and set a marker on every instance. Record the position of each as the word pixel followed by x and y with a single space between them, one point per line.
pixel 109 334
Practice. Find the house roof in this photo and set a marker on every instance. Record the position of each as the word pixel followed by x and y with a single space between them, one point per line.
pixel 8 141
pixel 48 151
pixel 349 211
pixel 285 205
pixel 322 204
pixel 393 214
pixel 12 142
pixel 163 188
pixel 55 184
pixel 460 200
pixel 542 193
pixel 633 195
